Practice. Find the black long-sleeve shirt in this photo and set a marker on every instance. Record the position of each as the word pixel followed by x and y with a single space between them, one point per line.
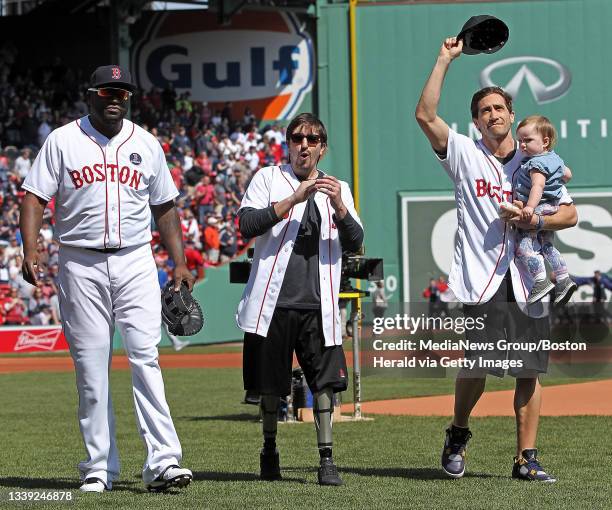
pixel 300 287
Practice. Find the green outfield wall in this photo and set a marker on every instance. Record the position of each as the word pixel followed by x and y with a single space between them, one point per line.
pixel 555 63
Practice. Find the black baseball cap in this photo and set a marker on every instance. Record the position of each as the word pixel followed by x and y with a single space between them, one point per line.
pixel 112 76
pixel 483 34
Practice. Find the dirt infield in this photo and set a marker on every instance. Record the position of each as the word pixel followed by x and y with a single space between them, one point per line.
pixel 588 398
pixel 64 364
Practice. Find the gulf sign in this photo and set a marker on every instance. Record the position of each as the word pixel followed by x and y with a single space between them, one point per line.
pixel 263 60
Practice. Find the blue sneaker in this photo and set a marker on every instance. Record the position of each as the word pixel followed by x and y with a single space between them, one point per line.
pixel 527 467
pixel 453 455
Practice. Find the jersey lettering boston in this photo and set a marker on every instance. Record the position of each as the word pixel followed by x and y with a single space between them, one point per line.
pixel 95 173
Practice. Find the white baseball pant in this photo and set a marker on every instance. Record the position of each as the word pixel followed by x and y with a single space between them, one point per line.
pixel 98 290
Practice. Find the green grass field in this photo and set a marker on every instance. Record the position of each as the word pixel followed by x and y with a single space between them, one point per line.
pixel 390 462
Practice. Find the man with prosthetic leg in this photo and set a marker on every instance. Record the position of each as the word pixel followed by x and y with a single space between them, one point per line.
pixel 303 219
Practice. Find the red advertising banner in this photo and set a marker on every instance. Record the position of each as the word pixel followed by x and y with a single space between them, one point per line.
pixel 32 339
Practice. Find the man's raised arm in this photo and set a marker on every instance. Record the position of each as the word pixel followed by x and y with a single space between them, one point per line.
pixel 434 127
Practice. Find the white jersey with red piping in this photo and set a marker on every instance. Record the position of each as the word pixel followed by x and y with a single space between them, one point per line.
pixel 484 246
pixel 104 187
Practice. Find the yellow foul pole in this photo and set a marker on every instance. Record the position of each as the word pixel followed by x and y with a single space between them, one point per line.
pixel 354 112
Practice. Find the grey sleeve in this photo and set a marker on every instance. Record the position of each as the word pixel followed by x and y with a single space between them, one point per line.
pixel 255 222
pixel 350 233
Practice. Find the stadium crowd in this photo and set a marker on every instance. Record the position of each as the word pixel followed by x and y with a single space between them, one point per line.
pixel 211 155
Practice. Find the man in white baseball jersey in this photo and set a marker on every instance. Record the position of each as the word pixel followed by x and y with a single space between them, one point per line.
pixel 484 276
pixel 107 175
pixel 303 219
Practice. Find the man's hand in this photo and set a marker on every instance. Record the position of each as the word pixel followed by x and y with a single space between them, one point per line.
pixel 451 48
pixel 303 191
pixel 182 274
pixel 30 219
pixel 330 186
pixel 32 268
pixel 565 217
pixel 515 216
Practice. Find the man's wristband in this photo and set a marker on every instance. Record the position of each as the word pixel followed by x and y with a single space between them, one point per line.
pixel 540 224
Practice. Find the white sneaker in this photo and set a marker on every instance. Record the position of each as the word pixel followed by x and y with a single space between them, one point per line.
pixel 94 485
pixel 179 344
pixel 173 476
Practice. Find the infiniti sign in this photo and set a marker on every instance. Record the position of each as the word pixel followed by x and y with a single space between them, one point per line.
pixel 541 93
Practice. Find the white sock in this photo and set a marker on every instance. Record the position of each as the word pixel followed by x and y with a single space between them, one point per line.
pixel 540 277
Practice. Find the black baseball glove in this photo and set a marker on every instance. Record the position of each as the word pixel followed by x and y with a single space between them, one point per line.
pixel 180 311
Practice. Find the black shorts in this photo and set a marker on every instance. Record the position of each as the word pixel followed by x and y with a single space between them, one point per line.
pixel 267 361
pixel 504 320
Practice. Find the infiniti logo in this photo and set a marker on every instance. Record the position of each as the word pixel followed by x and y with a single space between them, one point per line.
pixel 541 93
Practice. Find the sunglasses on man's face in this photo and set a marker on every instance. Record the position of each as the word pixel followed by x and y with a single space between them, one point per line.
pixel 106 92
pixel 312 140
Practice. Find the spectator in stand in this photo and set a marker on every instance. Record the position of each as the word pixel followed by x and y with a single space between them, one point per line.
pixel 248 118
pixel 44 128
pixel 195 262
pixel 205 113
pixel 216 119
pixel 29 130
pixel 180 143
pixel 4 267
pixel 238 137
pixel 53 250
pixel 183 103
pixel 13 249
pixel 220 194
pixel 187 160
pixel 228 240
pixel 252 159
pixel 162 272
pixel 43 317
pixel 54 273
pixel 36 301
pixel 176 171
pixel 23 163
pixel 223 166
pixel 275 134
pixel 205 198
pixel 14 268
pixel 204 163
pixel 191 228
pixel 46 232
pixel 211 240
pixel 15 310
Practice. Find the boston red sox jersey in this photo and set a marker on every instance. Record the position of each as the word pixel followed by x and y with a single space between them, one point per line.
pixel 484 247
pixel 274 248
pixel 103 187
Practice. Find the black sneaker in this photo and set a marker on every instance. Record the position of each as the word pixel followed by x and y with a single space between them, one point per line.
pixel 453 455
pixel 269 465
pixel 328 472
pixel 564 290
pixel 527 467
pixel 539 290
